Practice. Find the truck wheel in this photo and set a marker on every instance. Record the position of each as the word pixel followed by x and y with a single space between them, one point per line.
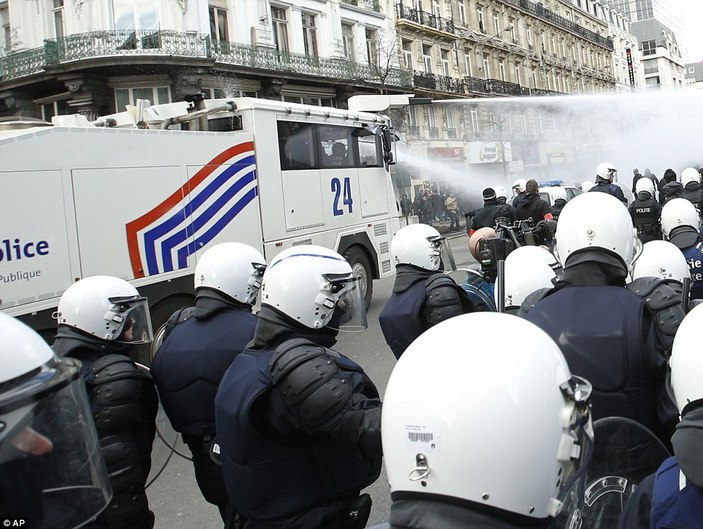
pixel 362 269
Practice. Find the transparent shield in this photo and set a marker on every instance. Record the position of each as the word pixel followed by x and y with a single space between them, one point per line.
pixel 350 310
pixel 51 470
pixel 625 452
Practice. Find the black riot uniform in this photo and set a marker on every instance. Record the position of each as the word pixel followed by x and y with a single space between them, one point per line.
pixel 645 211
pixel 620 352
pixel 124 404
pixel 298 425
pixel 694 194
pixel 200 345
pixel 420 299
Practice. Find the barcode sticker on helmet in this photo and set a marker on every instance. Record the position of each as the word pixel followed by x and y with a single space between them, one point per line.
pixel 421 437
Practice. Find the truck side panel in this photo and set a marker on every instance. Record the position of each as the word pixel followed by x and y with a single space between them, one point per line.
pixel 34 256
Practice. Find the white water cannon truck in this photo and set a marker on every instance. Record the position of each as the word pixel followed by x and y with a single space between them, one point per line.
pixel 131 196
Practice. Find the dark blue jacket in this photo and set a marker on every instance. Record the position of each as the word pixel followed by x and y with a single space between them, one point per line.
pixel 607 337
pixel 401 320
pixel 273 467
pixel 190 363
pixel 674 505
pixel 611 189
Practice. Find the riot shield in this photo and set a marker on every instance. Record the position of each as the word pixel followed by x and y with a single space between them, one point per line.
pixel 624 453
pixel 479 290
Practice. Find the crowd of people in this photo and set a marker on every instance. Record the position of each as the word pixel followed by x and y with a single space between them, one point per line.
pixel 476 429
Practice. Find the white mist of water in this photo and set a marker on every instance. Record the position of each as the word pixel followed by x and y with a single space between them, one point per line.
pixel 655 130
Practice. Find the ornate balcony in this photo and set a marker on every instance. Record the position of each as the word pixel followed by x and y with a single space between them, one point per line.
pixel 424 18
pixel 110 44
pixel 538 10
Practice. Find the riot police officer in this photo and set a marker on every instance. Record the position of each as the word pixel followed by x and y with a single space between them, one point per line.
pixel 619 352
pixel 673 495
pixel 422 295
pixel 100 319
pixel 449 446
pixel 681 226
pixel 645 211
pixel 199 344
pixel 606 174
pixel 51 471
pixel 298 424
pixel 691 182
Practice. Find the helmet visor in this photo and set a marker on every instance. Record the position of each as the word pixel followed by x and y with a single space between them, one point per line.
pixel 51 470
pixel 350 310
pixel 254 282
pixel 131 319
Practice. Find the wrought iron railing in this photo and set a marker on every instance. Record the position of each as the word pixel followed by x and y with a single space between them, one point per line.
pixel 193 45
pixel 424 18
pixel 451 134
pixel 537 9
pixel 413 130
pixel 433 132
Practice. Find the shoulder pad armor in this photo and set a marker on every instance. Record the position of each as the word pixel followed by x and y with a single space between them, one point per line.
pixel 445 299
pixel 531 300
pixel 308 375
pixel 116 387
pixel 663 299
pixel 177 317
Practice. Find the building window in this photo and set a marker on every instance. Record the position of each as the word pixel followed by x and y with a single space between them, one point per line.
pixel 279 16
pixel 348 41
pixel 58 19
pixel 309 34
pixel 649 47
pixel 157 95
pixel 136 14
pixel 408 54
pixel 501 69
pixel 445 63
pixel 479 17
pixel 474 121
pixel 512 29
pixel 517 73
pixel 462 12
pixel 467 62
pixel 218 24
pixel 58 107
pixel 7 37
pixel 436 8
pixel 427 58
pixel 528 30
pixel 372 46
pixel 486 69
pixel 496 23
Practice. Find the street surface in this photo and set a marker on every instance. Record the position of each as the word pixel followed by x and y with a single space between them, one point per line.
pixel 174 496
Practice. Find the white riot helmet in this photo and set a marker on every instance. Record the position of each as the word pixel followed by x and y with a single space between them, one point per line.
pixel 559 192
pixel 233 268
pixel 661 259
pixel 519 186
pixel 418 245
pixel 48 441
pixel 523 276
pixel 689 175
pixel 316 287
pixel 686 361
pixel 680 222
pixel 534 253
pixel 607 171
pixel 108 308
pixel 457 421
pixel 500 192
pixel 596 220
pixel 586 186
pixel 644 184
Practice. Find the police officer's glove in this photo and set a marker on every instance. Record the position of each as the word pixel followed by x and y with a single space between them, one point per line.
pixel 545 230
